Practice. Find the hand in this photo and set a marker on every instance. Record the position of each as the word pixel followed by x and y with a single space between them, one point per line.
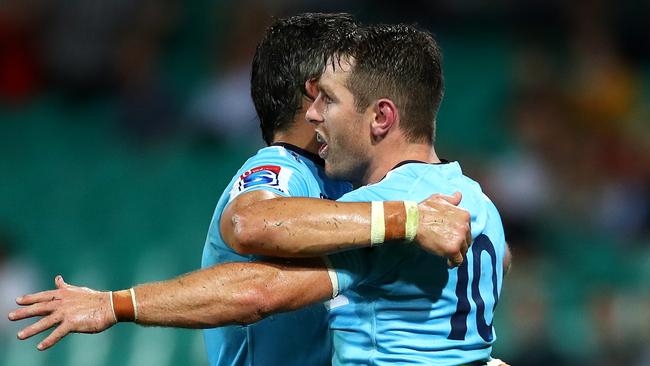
pixel 74 309
pixel 444 229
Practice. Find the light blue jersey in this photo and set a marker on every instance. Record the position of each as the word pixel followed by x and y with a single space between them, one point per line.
pixel 296 338
pixel 402 305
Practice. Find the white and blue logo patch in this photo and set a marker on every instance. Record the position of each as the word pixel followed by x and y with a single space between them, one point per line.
pixel 272 176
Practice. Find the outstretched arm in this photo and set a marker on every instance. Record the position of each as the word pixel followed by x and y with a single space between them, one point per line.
pixel 307 227
pixel 231 293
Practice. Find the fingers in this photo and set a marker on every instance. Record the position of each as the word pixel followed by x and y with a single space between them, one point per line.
pixel 455 260
pixel 37 297
pixel 43 295
pixel 38 309
pixel 454 199
pixel 468 238
pixel 38 327
pixel 54 337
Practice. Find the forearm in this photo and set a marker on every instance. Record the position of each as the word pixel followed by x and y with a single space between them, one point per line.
pixel 220 295
pixel 259 223
pixel 301 227
pixel 232 293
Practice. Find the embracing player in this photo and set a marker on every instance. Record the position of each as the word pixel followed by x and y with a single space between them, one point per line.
pixel 396 304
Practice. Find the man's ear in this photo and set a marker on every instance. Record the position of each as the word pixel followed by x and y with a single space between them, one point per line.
pixel 386 116
pixel 311 87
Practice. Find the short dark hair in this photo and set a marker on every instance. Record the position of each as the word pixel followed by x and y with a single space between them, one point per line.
pixel 293 50
pixel 404 64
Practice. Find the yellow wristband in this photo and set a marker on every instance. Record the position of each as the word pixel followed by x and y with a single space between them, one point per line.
pixel 412 219
pixel 377 224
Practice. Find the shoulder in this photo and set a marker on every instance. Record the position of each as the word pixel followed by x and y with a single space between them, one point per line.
pixel 396 180
pixel 273 168
pixel 275 159
pixel 275 154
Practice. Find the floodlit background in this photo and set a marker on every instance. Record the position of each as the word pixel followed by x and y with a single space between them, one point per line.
pixel 121 121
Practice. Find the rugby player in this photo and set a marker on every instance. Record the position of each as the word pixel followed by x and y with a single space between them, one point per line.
pixel 286 169
pixel 378 103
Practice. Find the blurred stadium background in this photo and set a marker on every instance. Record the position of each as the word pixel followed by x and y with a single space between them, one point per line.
pixel 121 121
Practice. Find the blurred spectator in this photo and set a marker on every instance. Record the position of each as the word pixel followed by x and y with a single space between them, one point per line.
pixel 148 108
pixel 528 302
pixel 223 107
pixel 19 64
pixel 522 180
pixel 605 88
pixel 79 38
pixel 621 327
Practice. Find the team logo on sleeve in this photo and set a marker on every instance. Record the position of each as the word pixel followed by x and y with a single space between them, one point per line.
pixel 271 176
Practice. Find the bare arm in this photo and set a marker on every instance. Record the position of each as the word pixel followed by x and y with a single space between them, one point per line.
pixel 262 223
pixel 294 227
pixel 232 293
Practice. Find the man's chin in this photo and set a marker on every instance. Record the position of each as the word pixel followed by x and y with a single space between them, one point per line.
pixel 331 171
pixel 336 172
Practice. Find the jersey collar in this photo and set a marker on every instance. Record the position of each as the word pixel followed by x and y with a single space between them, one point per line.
pixel 404 162
pixel 302 152
pixel 442 161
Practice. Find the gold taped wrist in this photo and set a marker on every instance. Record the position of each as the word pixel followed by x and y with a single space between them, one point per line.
pixel 393 220
pixel 125 308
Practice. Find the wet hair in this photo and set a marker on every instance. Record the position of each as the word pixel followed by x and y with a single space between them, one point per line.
pixel 293 50
pixel 404 64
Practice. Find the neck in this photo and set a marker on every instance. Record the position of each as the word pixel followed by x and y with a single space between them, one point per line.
pixel 300 134
pixel 385 159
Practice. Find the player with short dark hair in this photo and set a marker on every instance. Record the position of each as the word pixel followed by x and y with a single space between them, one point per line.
pixel 291 51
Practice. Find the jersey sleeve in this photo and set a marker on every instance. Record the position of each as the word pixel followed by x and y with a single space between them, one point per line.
pixel 347 269
pixel 273 170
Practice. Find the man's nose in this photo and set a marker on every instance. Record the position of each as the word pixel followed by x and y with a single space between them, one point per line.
pixel 312 115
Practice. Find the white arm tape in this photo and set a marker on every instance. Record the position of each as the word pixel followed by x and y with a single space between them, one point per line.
pixel 333 279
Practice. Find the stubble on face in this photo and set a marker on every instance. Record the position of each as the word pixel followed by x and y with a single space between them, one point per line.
pixel 343 126
pixel 348 157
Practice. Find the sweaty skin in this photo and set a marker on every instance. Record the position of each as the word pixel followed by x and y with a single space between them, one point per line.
pixel 308 227
pixel 231 293
pixel 220 295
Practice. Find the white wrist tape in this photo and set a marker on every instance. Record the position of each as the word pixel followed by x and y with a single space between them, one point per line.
pixel 113 307
pixel 135 304
pixel 377 224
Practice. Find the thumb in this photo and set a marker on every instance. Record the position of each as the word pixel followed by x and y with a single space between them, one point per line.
pixel 59 282
pixel 454 199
